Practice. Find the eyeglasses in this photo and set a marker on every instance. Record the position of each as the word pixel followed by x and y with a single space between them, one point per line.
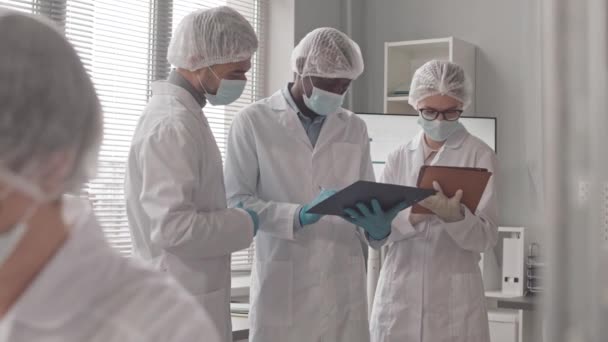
pixel 432 114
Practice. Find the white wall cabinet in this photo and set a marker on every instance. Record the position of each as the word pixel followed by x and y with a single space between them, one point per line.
pixel 401 59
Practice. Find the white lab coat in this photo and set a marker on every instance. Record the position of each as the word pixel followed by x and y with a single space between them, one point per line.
pixel 307 285
pixel 176 201
pixel 88 292
pixel 430 287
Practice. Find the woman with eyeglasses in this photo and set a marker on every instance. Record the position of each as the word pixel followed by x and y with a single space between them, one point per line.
pixel 430 286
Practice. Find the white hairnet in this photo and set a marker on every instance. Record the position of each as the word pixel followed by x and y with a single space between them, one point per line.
pixel 328 53
pixel 48 103
pixel 440 78
pixel 214 36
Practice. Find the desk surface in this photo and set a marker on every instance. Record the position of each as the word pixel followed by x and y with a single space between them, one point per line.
pixel 240 324
pixel 240 328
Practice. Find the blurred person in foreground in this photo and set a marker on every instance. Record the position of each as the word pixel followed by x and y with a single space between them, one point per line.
pixel 59 278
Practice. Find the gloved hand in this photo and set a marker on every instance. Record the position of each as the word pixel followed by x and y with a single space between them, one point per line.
pixel 254 217
pixel 307 218
pixel 447 209
pixel 376 222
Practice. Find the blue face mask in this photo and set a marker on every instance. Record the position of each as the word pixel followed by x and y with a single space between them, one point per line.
pixel 321 101
pixel 228 91
pixel 439 130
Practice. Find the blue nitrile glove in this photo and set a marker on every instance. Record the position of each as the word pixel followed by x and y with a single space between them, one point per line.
pixel 376 222
pixel 308 219
pixel 254 217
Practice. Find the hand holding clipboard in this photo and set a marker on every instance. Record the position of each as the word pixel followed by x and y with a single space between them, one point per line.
pixel 455 185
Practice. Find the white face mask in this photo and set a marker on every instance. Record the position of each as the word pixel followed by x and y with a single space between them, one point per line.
pixel 321 101
pixel 11 238
pixel 227 92
pixel 439 130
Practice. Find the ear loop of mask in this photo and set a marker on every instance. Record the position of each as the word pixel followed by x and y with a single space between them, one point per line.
pixel 17 183
pixel 10 239
pixel 312 90
pixel 14 183
pixel 198 77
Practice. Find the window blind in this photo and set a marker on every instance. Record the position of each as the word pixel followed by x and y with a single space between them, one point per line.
pixel 114 40
pixel 123 45
pixel 50 8
pixel 27 6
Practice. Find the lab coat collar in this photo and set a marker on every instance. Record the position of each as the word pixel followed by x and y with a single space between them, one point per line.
pixel 66 285
pixel 454 142
pixel 182 95
pixel 289 98
pixel 179 80
pixel 278 102
pixel 413 144
pixel 288 117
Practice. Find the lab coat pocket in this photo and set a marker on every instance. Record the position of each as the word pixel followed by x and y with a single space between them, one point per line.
pixel 273 284
pixel 468 315
pixel 348 286
pixel 346 163
pixel 358 291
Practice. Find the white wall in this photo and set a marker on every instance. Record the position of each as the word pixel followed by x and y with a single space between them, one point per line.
pixel 279 44
pixel 311 14
pixel 290 21
pixel 506 36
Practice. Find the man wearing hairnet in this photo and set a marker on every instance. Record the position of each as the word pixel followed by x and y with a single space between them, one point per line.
pixel 59 278
pixel 176 201
pixel 285 154
pixel 430 286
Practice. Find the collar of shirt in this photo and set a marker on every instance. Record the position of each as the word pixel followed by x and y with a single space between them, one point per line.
pixel 292 103
pixel 429 153
pixel 177 79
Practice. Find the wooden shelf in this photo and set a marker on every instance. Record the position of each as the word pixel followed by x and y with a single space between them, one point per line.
pixel 397 98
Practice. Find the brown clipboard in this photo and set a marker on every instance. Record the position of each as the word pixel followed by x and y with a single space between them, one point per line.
pixel 472 181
